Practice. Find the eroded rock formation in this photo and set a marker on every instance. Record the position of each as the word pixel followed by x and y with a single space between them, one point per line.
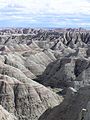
pixel 40 70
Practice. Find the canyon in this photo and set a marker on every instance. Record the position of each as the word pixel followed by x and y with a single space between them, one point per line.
pixel 44 74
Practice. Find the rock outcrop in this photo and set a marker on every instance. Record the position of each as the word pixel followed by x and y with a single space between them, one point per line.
pixel 44 70
pixel 23 97
pixel 5 115
pixel 74 107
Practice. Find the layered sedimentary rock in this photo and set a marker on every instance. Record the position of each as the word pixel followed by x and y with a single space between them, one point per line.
pixel 22 96
pixel 19 64
pixel 58 59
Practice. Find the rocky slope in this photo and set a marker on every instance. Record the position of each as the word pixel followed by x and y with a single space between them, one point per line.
pixel 67 72
pixel 5 115
pixel 26 100
pixel 37 67
pixel 76 106
pixel 19 94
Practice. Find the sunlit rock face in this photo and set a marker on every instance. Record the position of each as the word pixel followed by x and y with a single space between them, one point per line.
pixel 5 115
pixel 41 69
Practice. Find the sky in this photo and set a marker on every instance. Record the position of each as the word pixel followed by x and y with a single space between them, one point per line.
pixel 45 13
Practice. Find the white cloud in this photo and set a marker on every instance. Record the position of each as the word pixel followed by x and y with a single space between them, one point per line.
pixel 85 24
pixel 70 6
pixel 50 6
pixel 45 10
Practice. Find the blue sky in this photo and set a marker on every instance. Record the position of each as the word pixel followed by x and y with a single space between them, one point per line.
pixel 45 13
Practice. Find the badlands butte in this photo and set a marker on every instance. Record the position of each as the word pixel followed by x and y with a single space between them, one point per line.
pixel 44 74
